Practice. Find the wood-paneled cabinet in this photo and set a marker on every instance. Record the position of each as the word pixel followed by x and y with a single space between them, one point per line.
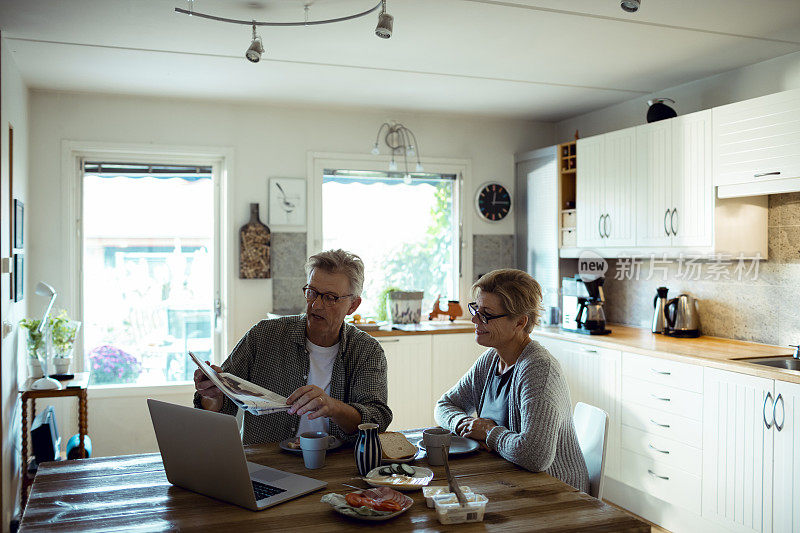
pixel 675 194
pixel 786 480
pixel 593 377
pixel 589 195
pixel 409 377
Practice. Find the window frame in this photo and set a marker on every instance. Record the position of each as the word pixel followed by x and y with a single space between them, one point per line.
pixel 73 154
pixel 461 168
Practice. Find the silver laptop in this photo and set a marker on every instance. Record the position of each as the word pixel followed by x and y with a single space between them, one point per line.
pixel 202 452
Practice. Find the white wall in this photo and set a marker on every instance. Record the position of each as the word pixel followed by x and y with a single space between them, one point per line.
pixel 14 113
pixel 267 141
pixel 767 77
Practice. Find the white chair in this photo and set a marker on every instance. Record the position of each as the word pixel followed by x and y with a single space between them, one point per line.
pixel 591 425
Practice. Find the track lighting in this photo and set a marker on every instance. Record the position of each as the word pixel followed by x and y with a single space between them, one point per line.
pixel 631 6
pixel 385 23
pixel 256 48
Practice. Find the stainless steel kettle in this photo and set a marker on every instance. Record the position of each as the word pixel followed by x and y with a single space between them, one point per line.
pixel 659 311
pixel 683 319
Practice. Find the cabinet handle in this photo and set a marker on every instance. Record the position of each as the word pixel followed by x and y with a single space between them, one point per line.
pixel 660 398
pixel 605 226
pixel 662 372
pixel 763 174
pixel 659 424
pixel 672 221
pixel 382 341
pixel 665 452
pixel 666 229
pixel 783 411
pixel 665 478
pixel 764 410
pixel 599 223
pixel 588 350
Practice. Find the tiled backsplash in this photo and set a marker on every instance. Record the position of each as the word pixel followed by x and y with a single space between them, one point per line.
pixel 765 309
pixel 289 255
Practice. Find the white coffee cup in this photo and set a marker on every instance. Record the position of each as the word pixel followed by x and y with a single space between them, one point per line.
pixel 435 439
pixel 314 445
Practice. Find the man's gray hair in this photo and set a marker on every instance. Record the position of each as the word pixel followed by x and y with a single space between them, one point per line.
pixel 339 262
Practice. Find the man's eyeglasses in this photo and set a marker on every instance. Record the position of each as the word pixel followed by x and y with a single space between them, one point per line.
pixel 328 299
pixel 483 317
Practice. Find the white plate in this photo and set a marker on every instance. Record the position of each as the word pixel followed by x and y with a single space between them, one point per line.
pixel 425 475
pixel 284 444
pixel 350 512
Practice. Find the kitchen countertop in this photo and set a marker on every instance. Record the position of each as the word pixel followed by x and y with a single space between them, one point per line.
pixel 713 352
pixel 434 327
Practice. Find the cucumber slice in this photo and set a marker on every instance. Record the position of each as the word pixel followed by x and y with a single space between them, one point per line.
pixel 396 469
pixel 407 470
pixel 385 471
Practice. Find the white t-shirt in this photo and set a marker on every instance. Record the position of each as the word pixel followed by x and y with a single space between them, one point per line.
pixel 321 360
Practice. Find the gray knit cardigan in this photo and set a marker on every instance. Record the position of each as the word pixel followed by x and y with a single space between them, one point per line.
pixel 541 436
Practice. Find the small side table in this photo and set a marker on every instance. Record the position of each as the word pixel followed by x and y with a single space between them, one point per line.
pixel 74 387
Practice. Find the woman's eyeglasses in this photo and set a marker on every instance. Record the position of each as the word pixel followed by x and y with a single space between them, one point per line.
pixel 483 317
pixel 328 299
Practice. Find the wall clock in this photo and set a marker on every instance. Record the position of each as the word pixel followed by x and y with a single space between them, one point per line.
pixel 493 201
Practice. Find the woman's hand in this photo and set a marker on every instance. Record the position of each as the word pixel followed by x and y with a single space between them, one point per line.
pixel 461 428
pixel 476 428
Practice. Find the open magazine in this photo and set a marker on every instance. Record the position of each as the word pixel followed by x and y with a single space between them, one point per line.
pixel 248 396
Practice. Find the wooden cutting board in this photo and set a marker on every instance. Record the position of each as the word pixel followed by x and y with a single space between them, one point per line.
pixel 254 242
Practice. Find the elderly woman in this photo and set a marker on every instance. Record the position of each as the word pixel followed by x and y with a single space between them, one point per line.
pixel 516 388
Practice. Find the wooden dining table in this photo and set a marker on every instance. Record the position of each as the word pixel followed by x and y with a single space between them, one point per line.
pixel 131 493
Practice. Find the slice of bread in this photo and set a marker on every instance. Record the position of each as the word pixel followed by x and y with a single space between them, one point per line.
pixel 396 446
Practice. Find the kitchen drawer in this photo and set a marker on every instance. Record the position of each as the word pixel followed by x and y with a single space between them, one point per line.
pixel 662 481
pixel 569 238
pixel 664 450
pixel 662 398
pixel 663 371
pixel 669 425
pixel 568 218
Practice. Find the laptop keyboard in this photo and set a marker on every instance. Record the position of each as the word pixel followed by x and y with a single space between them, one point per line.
pixel 262 490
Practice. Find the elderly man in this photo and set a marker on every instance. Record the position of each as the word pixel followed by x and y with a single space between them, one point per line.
pixel 333 374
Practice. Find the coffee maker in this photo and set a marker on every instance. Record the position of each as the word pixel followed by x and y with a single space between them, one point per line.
pixel 583 300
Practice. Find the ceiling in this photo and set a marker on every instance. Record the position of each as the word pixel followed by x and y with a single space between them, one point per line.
pixel 533 59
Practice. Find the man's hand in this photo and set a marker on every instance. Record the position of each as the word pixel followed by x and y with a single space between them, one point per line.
pixel 210 396
pixel 312 400
pixel 477 428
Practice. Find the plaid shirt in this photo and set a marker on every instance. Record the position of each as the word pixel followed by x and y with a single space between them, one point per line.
pixel 273 355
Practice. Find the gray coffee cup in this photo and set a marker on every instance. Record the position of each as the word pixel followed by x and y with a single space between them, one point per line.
pixel 314 445
pixel 435 439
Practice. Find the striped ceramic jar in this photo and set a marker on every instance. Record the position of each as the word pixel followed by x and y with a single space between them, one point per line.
pixel 368 448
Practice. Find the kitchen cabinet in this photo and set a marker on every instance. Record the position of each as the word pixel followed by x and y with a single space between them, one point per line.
pixel 408 361
pixel 675 192
pixel 756 145
pixel 593 374
pixel 738 456
pixel 453 356
pixel 605 190
pixel 786 485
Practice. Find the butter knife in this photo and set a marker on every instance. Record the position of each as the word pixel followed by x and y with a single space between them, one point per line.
pixel 451 480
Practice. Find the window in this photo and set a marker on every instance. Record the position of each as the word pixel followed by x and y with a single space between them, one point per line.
pixel 148 271
pixel 404 226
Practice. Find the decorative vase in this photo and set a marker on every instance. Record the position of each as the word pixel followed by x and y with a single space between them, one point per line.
pixel 35 368
pixel 658 110
pixel 368 450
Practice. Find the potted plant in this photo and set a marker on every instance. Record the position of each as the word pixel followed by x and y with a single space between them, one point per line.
pixel 34 341
pixel 63 331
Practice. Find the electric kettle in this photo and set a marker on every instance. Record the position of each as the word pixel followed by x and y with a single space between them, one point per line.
pixel 683 319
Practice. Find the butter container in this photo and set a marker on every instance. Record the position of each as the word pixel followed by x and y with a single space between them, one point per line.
pixel 430 492
pixel 449 511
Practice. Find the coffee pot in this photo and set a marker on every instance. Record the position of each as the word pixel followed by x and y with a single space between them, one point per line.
pixel 659 311
pixel 591 317
pixel 683 319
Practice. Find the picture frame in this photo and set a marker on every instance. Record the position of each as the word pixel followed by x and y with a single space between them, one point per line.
pixel 19 277
pixel 287 202
pixel 19 224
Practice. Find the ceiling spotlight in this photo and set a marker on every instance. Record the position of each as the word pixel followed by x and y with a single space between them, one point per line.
pixel 256 48
pixel 631 6
pixel 385 23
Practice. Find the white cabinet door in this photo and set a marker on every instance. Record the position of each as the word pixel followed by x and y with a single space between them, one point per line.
pixel 409 376
pixel 453 355
pixel 786 492
pixel 619 187
pixel 654 174
pixel 590 196
pixel 737 450
pixel 757 140
pixel 593 376
pixel 692 210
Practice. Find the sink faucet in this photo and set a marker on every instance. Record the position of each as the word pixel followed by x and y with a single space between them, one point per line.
pixel 796 353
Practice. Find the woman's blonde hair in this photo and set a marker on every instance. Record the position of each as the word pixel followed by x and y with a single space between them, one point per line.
pixel 519 293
